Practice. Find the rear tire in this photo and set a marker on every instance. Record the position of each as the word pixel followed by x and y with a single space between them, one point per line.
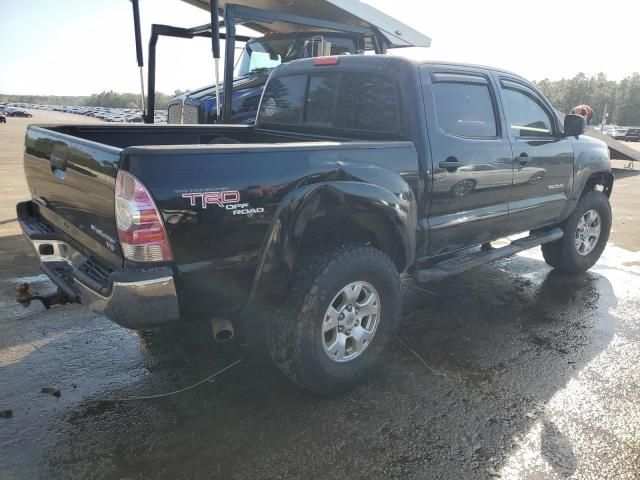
pixel 586 232
pixel 308 339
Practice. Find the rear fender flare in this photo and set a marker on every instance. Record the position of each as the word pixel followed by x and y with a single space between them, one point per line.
pixel 348 201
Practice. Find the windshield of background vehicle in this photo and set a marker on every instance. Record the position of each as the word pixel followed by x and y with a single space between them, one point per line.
pixel 263 55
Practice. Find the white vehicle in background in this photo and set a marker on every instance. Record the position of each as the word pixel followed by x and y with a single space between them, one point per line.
pixel 614 131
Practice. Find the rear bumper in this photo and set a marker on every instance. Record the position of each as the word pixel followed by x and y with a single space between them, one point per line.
pixel 133 298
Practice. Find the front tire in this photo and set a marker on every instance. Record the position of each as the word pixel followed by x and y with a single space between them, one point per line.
pixel 586 233
pixel 342 310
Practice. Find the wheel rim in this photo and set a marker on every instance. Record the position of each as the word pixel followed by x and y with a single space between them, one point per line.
pixel 351 322
pixel 588 232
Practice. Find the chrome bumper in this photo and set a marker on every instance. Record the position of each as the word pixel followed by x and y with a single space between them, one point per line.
pixel 138 298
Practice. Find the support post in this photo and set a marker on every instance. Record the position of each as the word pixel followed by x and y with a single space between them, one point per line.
pixel 230 45
pixel 378 43
pixel 151 77
pixel 139 55
pixel 215 49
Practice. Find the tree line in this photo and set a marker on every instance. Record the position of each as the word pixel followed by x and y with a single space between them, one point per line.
pixel 127 100
pixel 620 98
pixel 109 99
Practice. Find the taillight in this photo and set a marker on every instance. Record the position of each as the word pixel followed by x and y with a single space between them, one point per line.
pixel 141 231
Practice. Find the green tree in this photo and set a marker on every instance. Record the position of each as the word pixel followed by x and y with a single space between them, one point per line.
pixel 621 99
pixel 628 99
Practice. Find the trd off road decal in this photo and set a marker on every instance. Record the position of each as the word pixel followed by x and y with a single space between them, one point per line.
pixel 228 199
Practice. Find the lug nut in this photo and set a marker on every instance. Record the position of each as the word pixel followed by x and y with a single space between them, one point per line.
pixel 341 316
pixel 349 308
pixel 340 328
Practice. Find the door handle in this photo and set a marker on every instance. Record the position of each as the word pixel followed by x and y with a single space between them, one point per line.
pixel 451 164
pixel 58 161
pixel 523 159
pixel 58 165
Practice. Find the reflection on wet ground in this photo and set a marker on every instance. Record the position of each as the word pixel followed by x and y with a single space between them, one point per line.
pixel 518 371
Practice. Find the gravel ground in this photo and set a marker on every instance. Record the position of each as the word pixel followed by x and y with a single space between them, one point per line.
pixel 510 371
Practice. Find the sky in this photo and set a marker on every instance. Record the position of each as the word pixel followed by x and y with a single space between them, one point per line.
pixel 79 47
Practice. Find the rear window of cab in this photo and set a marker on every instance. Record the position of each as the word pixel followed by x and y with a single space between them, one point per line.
pixel 355 101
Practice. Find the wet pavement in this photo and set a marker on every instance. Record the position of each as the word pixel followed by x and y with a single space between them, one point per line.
pixel 510 371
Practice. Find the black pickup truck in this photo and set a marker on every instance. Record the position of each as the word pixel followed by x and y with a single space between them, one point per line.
pixel 358 169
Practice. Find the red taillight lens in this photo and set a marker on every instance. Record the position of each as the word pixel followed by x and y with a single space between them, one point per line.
pixel 324 61
pixel 140 227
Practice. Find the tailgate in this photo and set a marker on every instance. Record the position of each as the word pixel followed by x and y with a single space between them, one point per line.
pixel 72 181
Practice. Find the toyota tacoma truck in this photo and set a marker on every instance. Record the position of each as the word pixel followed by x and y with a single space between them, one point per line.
pixel 357 170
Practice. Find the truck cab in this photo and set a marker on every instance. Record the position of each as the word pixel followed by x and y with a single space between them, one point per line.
pixel 253 66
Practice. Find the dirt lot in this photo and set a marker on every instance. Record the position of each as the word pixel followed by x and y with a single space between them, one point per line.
pixel 509 371
pixel 13 186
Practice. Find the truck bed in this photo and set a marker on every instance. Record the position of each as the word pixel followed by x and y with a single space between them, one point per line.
pixel 71 172
pixel 123 136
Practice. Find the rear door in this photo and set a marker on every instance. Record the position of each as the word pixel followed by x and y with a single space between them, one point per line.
pixel 543 157
pixel 472 158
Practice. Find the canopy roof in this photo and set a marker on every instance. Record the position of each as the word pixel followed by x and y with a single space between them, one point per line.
pixel 351 12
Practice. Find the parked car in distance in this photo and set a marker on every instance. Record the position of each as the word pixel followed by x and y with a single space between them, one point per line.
pixel 614 131
pixel 301 224
pixel 18 113
pixel 633 134
pixel 104 113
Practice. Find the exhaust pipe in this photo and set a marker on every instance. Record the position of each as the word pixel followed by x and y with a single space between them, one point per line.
pixel 222 330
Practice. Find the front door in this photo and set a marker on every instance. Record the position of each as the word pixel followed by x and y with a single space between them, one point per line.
pixel 543 172
pixel 472 158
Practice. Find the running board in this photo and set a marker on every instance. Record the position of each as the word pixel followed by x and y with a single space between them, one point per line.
pixel 478 257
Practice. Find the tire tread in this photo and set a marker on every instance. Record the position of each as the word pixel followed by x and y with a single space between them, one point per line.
pixel 304 296
pixel 561 255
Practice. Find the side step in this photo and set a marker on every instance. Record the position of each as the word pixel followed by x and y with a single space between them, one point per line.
pixel 478 257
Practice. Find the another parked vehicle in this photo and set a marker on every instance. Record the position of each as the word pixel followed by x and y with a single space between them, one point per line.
pixel 303 222
pixel 614 131
pixel 18 113
pixel 259 57
pixel 633 134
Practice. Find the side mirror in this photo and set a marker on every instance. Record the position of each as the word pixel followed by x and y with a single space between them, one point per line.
pixel 574 125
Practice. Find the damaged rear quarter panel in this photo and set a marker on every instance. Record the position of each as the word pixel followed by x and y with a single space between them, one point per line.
pixel 218 251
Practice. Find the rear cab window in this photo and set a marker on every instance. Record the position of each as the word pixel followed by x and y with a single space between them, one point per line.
pixel 332 103
pixel 283 100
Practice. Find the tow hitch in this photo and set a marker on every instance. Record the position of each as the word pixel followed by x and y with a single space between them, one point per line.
pixel 25 297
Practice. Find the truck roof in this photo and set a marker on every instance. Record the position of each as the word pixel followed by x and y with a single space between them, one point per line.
pixel 381 62
pixel 351 12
